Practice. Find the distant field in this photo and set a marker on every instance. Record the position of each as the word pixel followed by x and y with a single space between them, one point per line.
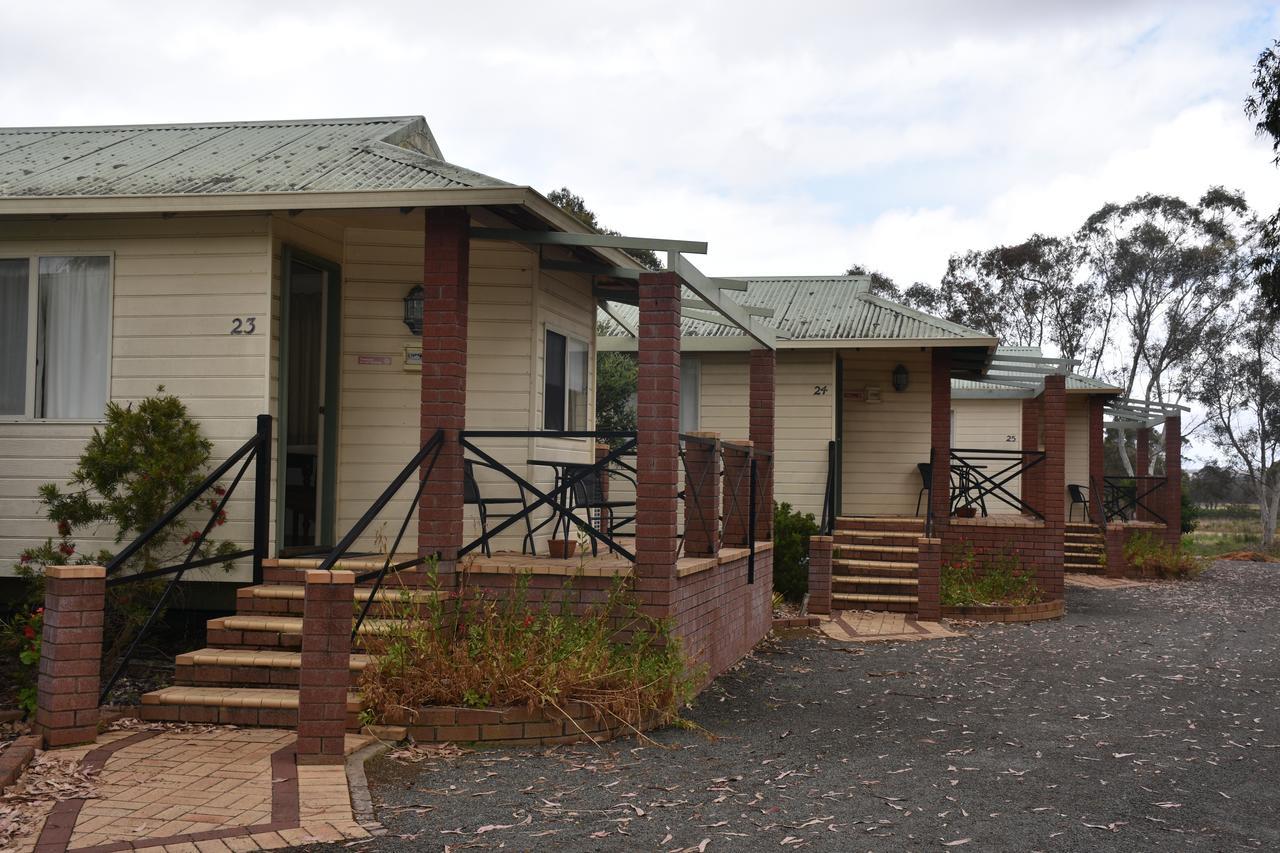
pixel 1225 529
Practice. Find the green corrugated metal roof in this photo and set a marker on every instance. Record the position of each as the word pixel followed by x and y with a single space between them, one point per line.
pixel 317 155
pixel 830 308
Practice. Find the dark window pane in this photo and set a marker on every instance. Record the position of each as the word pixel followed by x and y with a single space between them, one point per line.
pixel 553 390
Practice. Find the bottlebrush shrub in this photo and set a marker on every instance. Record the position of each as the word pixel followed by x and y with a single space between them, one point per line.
pixel 1146 553
pixel 966 581
pixel 20 637
pixel 144 460
pixel 477 651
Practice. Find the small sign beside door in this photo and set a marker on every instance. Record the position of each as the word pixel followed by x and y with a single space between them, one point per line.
pixel 384 360
pixel 412 357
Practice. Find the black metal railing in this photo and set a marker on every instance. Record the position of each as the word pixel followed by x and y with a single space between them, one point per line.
pixel 1123 497
pixel 928 496
pixel 560 498
pixel 423 462
pixel 693 491
pixel 1097 502
pixel 829 492
pixel 255 450
pixel 972 484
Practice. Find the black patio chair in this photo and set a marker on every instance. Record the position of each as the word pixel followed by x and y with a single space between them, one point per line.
pixel 1079 495
pixel 589 494
pixel 471 495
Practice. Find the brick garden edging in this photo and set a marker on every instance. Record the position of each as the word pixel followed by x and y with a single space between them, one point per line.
pixel 1008 612
pixel 514 726
pixel 15 757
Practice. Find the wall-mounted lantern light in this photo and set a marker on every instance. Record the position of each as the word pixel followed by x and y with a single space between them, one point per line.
pixel 901 378
pixel 413 310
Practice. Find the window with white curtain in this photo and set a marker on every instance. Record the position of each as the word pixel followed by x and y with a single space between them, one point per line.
pixel 55 331
pixel 690 392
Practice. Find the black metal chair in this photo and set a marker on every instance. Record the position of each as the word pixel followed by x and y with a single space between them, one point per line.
pixel 471 495
pixel 589 494
pixel 926 481
pixel 1079 495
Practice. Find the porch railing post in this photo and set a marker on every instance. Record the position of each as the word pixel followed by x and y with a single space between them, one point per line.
pixel 262 497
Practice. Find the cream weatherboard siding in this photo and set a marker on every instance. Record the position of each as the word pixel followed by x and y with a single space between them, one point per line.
pixel 177 285
pixel 884 441
pixel 989 423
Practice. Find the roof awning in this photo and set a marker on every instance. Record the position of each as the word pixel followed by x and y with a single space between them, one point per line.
pixel 1128 413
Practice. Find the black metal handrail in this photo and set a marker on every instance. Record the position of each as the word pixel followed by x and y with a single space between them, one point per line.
pixel 976 485
pixel 1097 500
pixel 729 496
pixel 558 499
pixel 1124 496
pixel 427 455
pixel 829 493
pixel 928 496
pixel 256 449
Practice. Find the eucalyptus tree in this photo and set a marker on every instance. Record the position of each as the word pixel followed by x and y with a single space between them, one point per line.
pixel 1264 106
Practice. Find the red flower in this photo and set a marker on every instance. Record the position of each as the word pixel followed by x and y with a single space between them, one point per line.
pixel 39 611
pixel 29 632
pixel 219 491
pixel 67 548
pixel 64 528
pixel 24 559
pixel 528 620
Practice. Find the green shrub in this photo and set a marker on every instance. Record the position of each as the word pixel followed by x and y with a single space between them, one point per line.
pixel 1190 511
pixel 791 532
pixel 967 581
pixel 1149 555
pixel 472 650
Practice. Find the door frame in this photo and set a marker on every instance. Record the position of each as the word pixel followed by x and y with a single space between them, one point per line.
pixel 332 333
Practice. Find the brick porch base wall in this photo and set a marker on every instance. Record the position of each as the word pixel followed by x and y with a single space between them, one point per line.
pixel 1117 537
pixel 1037 547
pixel 820 548
pixel 719 617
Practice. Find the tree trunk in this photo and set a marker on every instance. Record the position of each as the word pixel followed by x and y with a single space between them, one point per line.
pixel 1269 508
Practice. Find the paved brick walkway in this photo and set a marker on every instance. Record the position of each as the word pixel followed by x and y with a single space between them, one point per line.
pixel 862 626
pixel 216 789
pixel 1098 582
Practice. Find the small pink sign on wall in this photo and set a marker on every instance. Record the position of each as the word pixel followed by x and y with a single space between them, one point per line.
pixel 384 360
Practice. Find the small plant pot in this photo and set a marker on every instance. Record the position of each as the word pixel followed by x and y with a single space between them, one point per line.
pixel 561 549
pixel 966 512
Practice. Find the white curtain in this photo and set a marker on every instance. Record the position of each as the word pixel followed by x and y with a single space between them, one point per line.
pixel 72 339
pixel 576 380
pixel 14 299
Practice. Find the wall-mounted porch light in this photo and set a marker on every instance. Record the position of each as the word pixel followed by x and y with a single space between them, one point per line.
pixel 901 378
pixel 413 310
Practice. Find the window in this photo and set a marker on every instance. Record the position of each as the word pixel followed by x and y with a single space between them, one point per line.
pixel 690 392
pixel 55 328
pixel 564 389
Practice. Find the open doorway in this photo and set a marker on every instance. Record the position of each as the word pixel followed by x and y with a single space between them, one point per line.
pixel 310 328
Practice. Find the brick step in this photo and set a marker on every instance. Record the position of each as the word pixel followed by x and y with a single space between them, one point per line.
pixel 237 706
pixel 292 570
pixel 1083 537
pixel 877 580
pixel 1086 570
pixel 887 565
pixel 1082 525
pixel 866 598
pixel 1085 546
pixel 871 522
pixel 248 668
pixel 1082 567
pixel 269 632
pixel 878 549
pixel 287 599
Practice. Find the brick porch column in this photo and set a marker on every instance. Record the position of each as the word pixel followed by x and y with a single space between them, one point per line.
pixel 820 548
pixel 940 436
pixel 1097 459
pixel 1055 481
pixel 445 275
pixel 657 453
pixel 929 579
pixel 764 363
pixel 1172 490
pixel 702 495
pixel 1032 482
pixel 70 654
pixel 327 618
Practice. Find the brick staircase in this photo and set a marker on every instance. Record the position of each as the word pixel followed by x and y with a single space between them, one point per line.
pixel 1085 549
pixel 873 563
pixel 248 675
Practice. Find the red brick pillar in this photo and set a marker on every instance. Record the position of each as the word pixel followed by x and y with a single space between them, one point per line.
pixel 1032 482
pixel 1115 539
pixel 1142 469
pixel 702 495
pixel 657 453
pixel 445 274
pixel 1055 483
pixel 929 579
pixel 1097 459
pixel 70 654
pixel 327 617
pixel 940 436
pixel 763 384
pixel 737 493
pixel 1172 490
pixel 820 548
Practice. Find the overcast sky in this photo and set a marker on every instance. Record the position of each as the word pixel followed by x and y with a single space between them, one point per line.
pixel 795 137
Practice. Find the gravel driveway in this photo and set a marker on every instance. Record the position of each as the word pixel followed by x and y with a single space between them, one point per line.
pixel 1147 719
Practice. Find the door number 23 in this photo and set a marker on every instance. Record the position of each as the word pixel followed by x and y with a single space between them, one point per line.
pixel 244 325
